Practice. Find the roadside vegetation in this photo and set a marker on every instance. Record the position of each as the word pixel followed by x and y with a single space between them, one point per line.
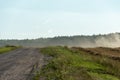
pixel 76 64
pixel 7 48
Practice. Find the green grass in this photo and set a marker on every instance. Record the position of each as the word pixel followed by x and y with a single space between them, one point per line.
pixel 7 49
pixel 68 64
pixel 98 76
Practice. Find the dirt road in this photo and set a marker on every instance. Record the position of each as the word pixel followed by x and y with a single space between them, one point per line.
pixel 20 64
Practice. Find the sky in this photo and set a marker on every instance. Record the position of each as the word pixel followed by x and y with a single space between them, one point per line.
pixel 21 19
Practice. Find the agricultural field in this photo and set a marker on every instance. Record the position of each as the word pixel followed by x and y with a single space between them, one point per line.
pixel 76 63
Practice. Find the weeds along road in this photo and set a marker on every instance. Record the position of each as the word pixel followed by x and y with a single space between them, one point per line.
pixel 20 64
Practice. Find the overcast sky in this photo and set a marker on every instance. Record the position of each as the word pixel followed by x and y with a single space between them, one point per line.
pixel 21 19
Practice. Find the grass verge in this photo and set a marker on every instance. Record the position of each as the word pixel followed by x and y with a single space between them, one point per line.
pixel 7 49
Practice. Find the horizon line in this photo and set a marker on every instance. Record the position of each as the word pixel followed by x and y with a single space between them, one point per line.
pixel 62 36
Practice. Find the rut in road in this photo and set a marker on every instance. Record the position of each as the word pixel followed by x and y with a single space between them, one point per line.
pixel 20 64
